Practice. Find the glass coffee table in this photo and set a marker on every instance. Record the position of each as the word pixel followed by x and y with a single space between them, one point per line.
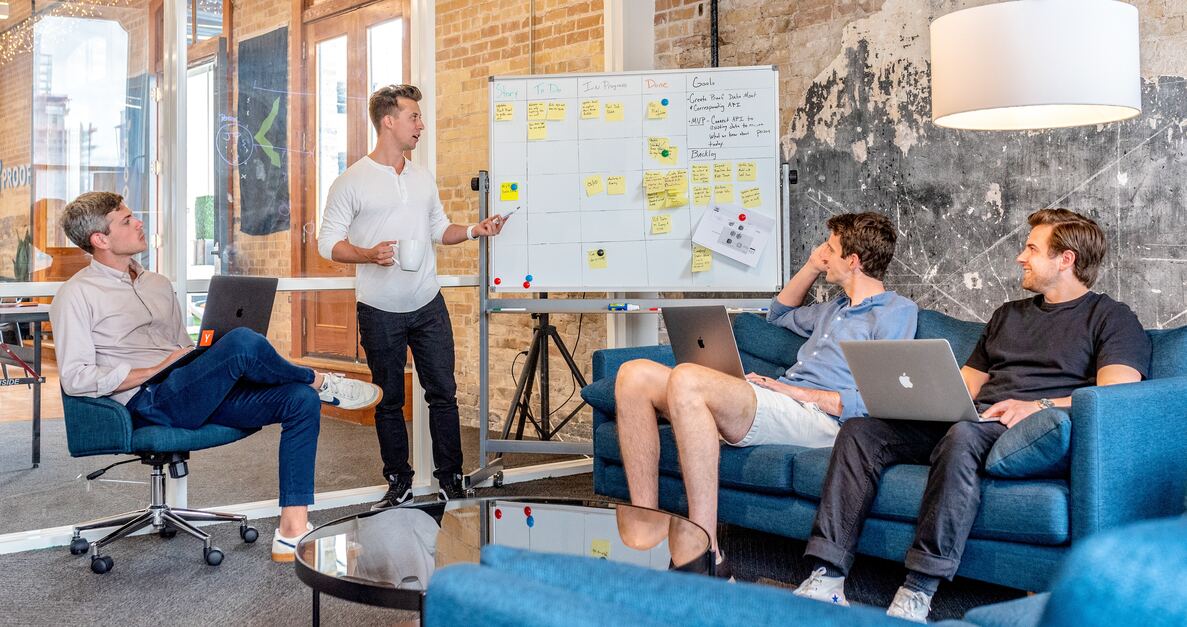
pixel 387 558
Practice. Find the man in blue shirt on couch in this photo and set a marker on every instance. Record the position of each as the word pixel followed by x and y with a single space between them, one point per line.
pixel 1032 355
pixel 805 406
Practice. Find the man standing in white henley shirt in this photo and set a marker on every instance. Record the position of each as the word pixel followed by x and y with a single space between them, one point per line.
pixel 381 199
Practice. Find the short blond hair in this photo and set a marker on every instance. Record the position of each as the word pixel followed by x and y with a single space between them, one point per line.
pixel 387 98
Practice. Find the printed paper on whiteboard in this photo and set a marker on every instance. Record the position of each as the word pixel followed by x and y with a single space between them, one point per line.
pixel 734 232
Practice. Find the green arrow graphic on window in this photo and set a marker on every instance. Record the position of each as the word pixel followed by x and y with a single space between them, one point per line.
pixel 264 128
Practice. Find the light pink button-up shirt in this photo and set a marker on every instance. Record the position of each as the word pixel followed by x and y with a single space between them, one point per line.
pixel 106 324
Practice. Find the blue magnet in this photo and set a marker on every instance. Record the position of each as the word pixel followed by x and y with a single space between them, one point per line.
pixel 514 186
pixel 531 521
pixel 664 102
pixel 529 278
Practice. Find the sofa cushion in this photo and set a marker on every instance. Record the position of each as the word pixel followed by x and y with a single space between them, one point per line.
pixel 1024 612
pixel 765 348
pixel 1036 447
pixel 764 468
pixel 961 335
pixel 1033 511
pixel 1168 357
pixel 600 395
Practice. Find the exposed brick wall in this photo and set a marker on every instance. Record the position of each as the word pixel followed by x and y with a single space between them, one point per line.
pixel 476 40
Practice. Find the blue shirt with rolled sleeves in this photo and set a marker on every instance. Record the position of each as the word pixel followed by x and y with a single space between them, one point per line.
pixel 820 364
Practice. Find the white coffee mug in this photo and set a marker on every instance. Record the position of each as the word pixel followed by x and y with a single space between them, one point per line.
pixel 410 253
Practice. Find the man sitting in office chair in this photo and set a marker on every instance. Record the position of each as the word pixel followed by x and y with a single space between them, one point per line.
pixel 116 325
pixel 805 406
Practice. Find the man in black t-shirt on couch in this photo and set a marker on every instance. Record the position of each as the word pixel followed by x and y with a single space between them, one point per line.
pixel 1031 356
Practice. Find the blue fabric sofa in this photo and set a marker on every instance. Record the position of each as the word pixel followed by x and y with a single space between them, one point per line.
pixel 1128 576
pixel 1128 462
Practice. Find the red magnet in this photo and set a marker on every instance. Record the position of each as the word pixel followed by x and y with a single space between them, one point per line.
pixel 742 217
pixel 498 514
pixel 527 511
pixel 526 285
pixel 498 280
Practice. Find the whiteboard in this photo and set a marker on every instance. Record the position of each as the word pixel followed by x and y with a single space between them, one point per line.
pixel 577 157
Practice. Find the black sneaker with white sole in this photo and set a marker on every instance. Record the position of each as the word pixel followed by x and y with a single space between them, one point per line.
pixel 451 487
pixel 399 491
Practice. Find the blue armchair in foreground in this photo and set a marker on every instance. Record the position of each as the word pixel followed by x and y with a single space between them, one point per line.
pixel 101 426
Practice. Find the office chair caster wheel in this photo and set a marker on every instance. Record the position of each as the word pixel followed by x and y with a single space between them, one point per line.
pixel 78 546
pixel 213 556
pixel 101 565
pixel 249 534
pixel 167 532
pixel 497 480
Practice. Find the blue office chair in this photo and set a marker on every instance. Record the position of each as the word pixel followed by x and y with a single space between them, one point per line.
pixel 101 426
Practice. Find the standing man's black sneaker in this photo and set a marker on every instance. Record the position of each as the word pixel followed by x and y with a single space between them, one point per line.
pixel 399 491
pixel 451 487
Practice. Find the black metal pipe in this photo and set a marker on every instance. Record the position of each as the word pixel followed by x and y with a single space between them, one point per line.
pixel 713 33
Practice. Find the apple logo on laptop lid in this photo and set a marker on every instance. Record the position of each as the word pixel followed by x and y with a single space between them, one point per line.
pixel 905 381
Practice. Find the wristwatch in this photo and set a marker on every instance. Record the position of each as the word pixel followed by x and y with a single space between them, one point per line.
pixel 1045 403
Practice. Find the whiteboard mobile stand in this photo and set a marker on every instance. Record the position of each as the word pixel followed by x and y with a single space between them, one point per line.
pixel 577 157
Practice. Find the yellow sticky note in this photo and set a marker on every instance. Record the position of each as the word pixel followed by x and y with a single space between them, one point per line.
pixel 591 109
pixel 613 111
pixel 599 549
pixel 656 110
pixel 504 111
pixel 537 110
pixel 657 200
pixel 509 191
pixel 656 146
pixel 596 259
pixel 653 181
pixel 746 170
pixel 751 198
pixel 677 198
pixel 593 185
pixel 700 173
pixel 723 194
pixel 537 131
pixel 723 171
pixel 668 157
pixel 701 195
pixel 556 111
pixel 675 180
pixel 616 185
pixel 661 224
pixel 702 259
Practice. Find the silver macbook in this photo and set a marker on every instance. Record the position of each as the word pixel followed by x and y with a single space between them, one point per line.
pixel 910 380
pixel 703 336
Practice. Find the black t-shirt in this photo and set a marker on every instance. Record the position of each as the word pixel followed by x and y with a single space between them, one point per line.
pixel 1033 350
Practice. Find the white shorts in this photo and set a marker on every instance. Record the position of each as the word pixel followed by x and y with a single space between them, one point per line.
pixel 780 419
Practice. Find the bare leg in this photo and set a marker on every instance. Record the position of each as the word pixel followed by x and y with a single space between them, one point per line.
pixel 705 406
pixel 293 520
pixel 640 392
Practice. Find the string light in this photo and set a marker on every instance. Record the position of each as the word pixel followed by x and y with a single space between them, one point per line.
pixel 17 41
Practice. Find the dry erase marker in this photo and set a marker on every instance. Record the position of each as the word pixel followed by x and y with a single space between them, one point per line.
pixel 503 218
pixel 622 307
pixel 501 309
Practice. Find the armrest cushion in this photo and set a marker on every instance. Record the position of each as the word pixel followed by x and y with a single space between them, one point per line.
pixel 1129 453
pixel 96 426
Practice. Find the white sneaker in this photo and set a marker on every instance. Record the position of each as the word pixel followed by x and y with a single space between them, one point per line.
pixel 825 589
pixel 346 393
pixel 910 605
pixel 285 549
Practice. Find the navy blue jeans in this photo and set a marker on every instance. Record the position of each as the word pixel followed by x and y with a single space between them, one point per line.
pixel 387 336
pixel 242 382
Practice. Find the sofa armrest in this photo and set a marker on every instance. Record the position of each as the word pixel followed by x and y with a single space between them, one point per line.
pixel 96 426
pixel 1129 453
pixel 607 361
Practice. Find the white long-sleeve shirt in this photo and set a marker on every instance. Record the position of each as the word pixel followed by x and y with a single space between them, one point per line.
pixel 370 203
pixel 106 324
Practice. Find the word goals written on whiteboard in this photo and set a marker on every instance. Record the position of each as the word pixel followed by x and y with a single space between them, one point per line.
pixel 637 181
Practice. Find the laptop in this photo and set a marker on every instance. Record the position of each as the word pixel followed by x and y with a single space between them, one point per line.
pixel 231 302
pixel 910 380
pixel 702 335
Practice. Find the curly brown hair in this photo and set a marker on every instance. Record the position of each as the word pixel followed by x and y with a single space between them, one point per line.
pixel 870 236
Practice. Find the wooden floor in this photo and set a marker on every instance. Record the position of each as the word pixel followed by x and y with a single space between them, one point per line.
pixel 16 402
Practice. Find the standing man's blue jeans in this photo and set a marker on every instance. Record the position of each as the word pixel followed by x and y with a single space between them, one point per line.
pixel 242 382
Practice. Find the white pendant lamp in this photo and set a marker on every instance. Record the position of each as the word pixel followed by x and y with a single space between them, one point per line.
pixel 1032 64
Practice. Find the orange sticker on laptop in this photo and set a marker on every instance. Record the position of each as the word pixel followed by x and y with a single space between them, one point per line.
pixel 207 337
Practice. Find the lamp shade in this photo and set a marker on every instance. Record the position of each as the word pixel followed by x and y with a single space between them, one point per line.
pixel 1033 64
